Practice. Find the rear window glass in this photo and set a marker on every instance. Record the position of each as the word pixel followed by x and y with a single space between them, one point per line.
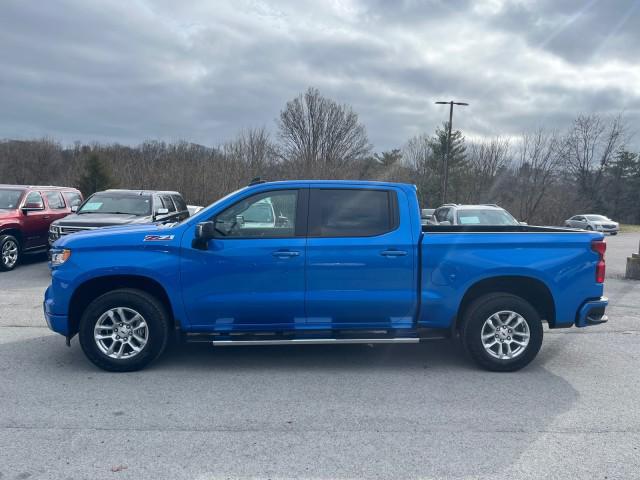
pixel 351 213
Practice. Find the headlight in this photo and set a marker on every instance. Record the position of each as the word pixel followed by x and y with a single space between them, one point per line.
pixel 59 257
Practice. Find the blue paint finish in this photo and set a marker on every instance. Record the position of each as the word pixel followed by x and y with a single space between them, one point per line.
pixel 240 285
pixel 587 308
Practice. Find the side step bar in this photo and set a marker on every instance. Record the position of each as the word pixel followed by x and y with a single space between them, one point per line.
pixel 314 341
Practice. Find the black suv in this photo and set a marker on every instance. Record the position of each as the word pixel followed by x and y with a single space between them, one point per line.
pixel 121 207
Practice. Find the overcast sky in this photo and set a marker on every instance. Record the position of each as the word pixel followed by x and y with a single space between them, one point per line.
pixel 125 71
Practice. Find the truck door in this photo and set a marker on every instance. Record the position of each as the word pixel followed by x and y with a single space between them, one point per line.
pixel 360 259
pixel 251 276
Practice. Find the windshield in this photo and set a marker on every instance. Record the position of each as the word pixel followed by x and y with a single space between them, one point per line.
pixel 485 217
pixel 9 199
pixel 117 204
pixel 597 218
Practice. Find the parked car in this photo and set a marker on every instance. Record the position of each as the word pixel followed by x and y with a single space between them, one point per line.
pixel 426 216
pixel 25 215
pixel 352 264
pixel 455 214
pixel 121 207
pixel 590 221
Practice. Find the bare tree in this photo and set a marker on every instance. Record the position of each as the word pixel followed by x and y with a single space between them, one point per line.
pixel 317 133
pixel 486 158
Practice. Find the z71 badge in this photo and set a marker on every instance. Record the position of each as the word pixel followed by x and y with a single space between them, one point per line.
pixel 157 238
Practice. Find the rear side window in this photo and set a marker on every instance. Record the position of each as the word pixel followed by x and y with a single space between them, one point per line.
pixel 180 203
pixel 168 203
pixel 73 199
pixel 54 199
pixel 351 213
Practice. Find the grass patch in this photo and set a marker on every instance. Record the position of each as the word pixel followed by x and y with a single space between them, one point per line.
pixel 629 228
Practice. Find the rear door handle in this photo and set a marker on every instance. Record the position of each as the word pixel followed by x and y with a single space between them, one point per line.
pixel 393 253
pixel 285 253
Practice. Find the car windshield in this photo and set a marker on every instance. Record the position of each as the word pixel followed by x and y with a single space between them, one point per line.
pixel 485 217
pixel 9 199
pixel 117 204
pixel 597 218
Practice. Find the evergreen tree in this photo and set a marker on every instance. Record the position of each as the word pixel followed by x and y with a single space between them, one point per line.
pixel 96 176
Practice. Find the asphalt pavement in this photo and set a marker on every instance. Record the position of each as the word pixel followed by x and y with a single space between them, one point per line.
pixel 351 411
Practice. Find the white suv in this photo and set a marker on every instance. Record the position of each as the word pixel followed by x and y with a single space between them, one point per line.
pixel 455 214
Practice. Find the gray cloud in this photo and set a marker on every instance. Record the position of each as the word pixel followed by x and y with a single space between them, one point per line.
pixel 126 71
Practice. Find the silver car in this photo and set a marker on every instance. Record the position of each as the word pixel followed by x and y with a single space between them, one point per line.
pixel 598 223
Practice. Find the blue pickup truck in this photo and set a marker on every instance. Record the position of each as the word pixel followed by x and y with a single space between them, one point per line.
pixel 306 262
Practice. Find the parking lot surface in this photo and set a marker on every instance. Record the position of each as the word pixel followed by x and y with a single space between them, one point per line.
pixel 352 411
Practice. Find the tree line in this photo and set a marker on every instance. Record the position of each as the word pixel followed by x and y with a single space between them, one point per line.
pixel 542 177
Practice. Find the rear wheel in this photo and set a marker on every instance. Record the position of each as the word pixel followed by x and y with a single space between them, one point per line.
pixel 589 227
pixel 124 330
pixel 502 332
pixel 9 252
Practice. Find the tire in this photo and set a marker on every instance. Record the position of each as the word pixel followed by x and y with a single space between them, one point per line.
pixel 119 307
pixel 10 252
pixel 614 233
pixel 589 227
pixel 499 307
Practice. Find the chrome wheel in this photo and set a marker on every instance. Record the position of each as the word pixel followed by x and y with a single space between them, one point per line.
pixel 121 333
pixel 9 254
pixel 505 335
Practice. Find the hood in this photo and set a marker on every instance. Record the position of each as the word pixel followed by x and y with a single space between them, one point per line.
pixel 100 220
pixel 119 236
pixel 4 213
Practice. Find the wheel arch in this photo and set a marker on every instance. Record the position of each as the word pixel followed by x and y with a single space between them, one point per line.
pixel 14 232
pixel 533 290
pixel 91 289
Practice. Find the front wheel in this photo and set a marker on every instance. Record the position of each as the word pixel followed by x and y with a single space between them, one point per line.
pixel 124 330
pixel 502 332
pixel 9 252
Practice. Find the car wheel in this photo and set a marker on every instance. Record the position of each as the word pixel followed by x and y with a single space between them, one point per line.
pixel 614 233
pixel 9 252
pixel 501 332
pixel 124 330
pixel 589 227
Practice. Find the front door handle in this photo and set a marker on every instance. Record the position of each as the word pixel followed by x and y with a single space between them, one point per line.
pixel 393 253
pixel 285 253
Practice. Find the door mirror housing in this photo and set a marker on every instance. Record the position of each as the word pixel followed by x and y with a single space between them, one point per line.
pixel 524 223
pixel 240 220
pixel 445 223
pixel 32 207
pixel 205 231
pixel 74 209
pixel 162 211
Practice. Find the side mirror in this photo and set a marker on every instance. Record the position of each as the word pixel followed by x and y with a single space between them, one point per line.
pixel 445 223
pixel 74 209
pixel 30 207
pixel 240 220
pixel 524 223
pixel 162 211
pixel 205 231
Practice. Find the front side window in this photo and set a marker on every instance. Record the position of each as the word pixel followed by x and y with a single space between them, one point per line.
pixel 9 199
pixel 109 203
pixel 54 199
pixel 34 200
pixel 351 213
pixel 265 215
pixel 168 203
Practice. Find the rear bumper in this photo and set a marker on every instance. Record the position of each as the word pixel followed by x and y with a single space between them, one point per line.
pixel 592 312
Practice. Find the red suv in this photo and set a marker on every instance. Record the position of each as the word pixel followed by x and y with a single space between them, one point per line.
pixel 25 215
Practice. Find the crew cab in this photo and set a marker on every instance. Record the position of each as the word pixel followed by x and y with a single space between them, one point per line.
pixel 121 207
pixel 346 262
pixel 26 211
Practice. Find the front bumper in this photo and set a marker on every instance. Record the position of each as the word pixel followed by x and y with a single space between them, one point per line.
pixel 57 323
pixel 592 313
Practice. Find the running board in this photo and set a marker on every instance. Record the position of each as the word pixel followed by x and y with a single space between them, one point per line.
pixel 314 341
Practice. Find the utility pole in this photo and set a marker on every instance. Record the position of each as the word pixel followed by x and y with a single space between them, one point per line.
pixel 445 179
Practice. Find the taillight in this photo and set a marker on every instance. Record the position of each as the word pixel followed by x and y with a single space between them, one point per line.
pixel 599 246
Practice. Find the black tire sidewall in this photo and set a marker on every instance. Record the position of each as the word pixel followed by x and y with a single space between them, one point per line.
pixel 3 240
pixel 483 308
pixel 154 314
